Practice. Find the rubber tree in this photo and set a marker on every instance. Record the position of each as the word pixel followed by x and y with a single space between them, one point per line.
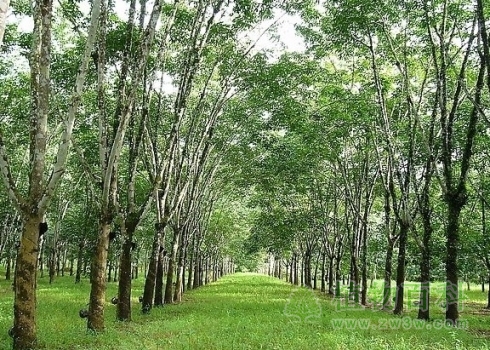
pixel 111 143
pixel 33 206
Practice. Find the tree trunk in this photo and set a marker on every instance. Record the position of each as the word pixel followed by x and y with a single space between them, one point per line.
pixel 191 264
pixel 25 285
pixel 296 277
pixel 95 321
pixel 150 281
pixel 52 264
pixel 330 276
pixel 424 304
pixel 197 267
pixel 124 288
pixel 364 258
pixel 400 269
pixel 159 280
pixel 179 283
pixel 323 271
pixel 8 268
pixel 168 299
pixel 388 273
pixel 452 243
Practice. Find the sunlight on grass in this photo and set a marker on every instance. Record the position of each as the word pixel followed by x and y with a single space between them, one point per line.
pixel 242 311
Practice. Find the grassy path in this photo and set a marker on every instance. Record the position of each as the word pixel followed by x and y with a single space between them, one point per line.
pixel 243 311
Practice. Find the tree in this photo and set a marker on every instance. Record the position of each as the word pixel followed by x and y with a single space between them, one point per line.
pixel 33 202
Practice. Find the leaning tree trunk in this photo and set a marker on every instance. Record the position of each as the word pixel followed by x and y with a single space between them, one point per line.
pixel 98 268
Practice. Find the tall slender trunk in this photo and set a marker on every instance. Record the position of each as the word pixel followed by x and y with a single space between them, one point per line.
pixel 124 288
pixel 425 267
pixel 364 262
pixel 159 278
pixel 168 298
pixel 98 268
pixel 191 263
pixel 8 269
pixel 322 287
pixel 25 329
pixel 52 264
pixel 197 268
pixel 150 281
pixel 388 274
pixel 452 243
pixel 296 277
pixel 330 275
pixel 400 270
pixel 179 283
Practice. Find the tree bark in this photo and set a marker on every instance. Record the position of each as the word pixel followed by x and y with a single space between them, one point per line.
pixel 168 298
pixel 425 267
pixel 388 273
pixel 25 330
pixel 150 281
pixel 159 279
pixel 179 283
pixel 124 288
pixel 95 321
pixel 452 235
pixel 400 269
pixel 330 276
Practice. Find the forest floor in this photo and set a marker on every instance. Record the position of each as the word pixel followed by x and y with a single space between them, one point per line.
pixel 245 311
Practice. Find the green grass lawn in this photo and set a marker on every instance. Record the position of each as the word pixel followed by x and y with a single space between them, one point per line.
pixel 242 311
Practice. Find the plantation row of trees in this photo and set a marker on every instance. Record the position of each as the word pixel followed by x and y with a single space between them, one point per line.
pixel 373 158
pixel 165 139
pixel 132 124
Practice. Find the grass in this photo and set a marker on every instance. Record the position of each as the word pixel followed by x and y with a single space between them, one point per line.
pixel 241 311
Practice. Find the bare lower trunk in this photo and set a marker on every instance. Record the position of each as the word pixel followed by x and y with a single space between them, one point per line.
pixel 452 288
pixel 159 280
pixel 330 276
pixel 25 286
pixel 180 275
pixel 168 299
pixel 124 288
pixel 8 268
pixel 387 276
pixel 323 271
pixel 364 262
pixel 95 321
pixel 197 266
pixel 424 305
pixel 400 269
pixel 150 281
